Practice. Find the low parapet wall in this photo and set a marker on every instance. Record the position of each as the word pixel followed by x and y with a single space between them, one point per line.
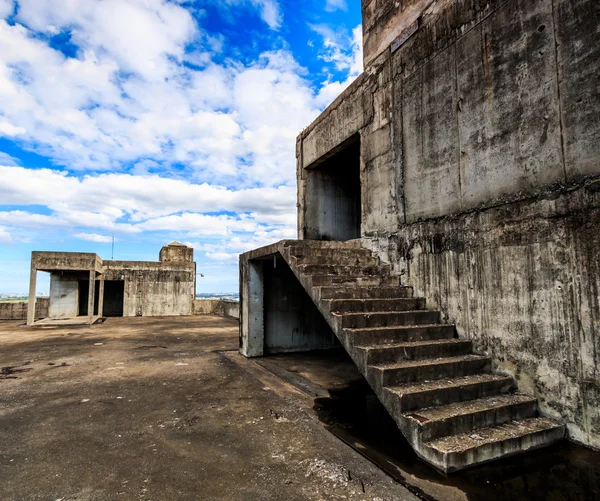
pixel 219 307
pixel 18 311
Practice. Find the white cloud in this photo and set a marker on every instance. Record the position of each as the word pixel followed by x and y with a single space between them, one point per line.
pixel 333 5
pixel 93 237
pixel 226 123
pixel 6 8
pixel 141 197
pixel 6 159
pixel 346 53
pixel 129 204
pixel 5 236
pixel 222 256
pixel 269 10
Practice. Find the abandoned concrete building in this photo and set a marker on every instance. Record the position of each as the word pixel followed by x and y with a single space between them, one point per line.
pixel 84 287
pixel 449 227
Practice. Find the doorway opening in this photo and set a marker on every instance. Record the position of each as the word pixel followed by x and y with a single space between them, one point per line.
pixel 333 199
pixel 292 322
pixel 114 294
pixel 84 294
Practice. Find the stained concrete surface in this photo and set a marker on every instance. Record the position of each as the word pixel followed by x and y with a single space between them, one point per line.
pixel 153 409
pixel 351 411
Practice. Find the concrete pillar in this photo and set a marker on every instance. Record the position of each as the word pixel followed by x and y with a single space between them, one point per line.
pixel 32 294
pixel 91 295
pixel 101 298
pixel 252 326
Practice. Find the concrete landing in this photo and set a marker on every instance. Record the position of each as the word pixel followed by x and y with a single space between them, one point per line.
pixel 64 322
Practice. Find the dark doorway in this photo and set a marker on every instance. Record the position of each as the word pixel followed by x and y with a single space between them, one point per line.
pixel 114 294
pixel 292 321
pixel 333 201
pixel 84 294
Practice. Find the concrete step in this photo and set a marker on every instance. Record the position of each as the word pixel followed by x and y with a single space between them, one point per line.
pixel 369 336
pixel 415 350
pixel 374 305
pixel 326 244
pixel 349 280
pixel 346 256
pixel 410 371
pixel 462 417
pixel 389 318
pixel 343 270
pixel 460 451
pixel 409 397
pixel 341 292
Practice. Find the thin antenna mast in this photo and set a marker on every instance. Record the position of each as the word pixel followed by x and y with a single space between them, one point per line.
pixel 112 254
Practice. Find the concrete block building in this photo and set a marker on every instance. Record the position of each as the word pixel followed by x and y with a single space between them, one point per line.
pixel 449 227
pixel 84 287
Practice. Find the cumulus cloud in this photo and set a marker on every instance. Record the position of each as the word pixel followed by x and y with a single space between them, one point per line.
pixel 126 97
pixel 5 236
pixel 345 53
pixel 93 237
pixel 333 5
pixel 129 204
pixel 6 8
pixel 6 159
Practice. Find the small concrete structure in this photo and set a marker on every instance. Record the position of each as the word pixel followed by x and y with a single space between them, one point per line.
pixel 84 288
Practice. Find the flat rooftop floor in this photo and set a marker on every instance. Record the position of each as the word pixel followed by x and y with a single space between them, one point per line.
pixel 166 409
pixel 159 409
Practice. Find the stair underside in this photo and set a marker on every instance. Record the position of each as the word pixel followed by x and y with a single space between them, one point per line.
pixel 453 410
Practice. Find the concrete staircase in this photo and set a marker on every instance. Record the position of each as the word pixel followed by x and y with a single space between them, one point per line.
pixel 453 409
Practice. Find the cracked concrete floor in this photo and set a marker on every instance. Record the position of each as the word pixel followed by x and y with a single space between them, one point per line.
pixel 150 409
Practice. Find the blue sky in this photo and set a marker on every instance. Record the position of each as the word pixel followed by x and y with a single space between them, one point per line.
pixel 155 120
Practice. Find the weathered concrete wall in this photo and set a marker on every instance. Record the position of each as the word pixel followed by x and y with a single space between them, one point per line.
pixel 522 280
pixel 220 307
pixel 480 148
pixel 18 311
pixel 66 261
pixel 205 306
pixel 176 252
pixel 64 295
pixel 154 289
pixel 229 309
pixel 292 321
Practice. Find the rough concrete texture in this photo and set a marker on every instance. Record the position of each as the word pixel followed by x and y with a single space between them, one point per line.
pixel 521 281
pixel 410 359
pixel 18 310
pixel 219 307
pixel 152 409
pixel 176 252
pixel 154 289
pixel 479 156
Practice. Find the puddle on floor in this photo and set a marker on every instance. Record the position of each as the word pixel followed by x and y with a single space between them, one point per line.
pixel 563 472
